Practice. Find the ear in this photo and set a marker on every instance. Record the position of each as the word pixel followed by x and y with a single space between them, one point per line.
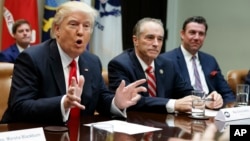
pixel 135 41
pixel 182 32
pixel 57 30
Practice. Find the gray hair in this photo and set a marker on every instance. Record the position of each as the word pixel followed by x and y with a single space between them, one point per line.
pixel 137 28
pixel 69 7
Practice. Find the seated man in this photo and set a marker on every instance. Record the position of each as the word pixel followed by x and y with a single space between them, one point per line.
pixel 57 79
pixel 22 34
pixel 169 92
pixel 190 62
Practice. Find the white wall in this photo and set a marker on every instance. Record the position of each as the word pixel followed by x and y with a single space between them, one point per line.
pixel 228 29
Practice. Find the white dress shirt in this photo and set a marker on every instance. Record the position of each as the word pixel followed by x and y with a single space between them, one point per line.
pixel 188 59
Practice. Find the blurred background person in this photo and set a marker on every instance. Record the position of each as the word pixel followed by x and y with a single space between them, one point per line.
pixel 22 34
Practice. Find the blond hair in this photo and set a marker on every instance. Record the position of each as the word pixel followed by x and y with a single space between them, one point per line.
pixel 69 7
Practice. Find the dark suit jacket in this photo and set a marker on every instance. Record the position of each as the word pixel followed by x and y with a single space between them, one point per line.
pixel 10 54
pixel 212 72
pixel 38 85
pixel 169 83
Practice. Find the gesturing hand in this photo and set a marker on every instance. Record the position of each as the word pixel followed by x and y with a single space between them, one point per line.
pixel 73 96
pixel 128 96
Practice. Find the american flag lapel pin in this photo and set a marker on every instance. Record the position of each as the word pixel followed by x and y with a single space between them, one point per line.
pixel 161 71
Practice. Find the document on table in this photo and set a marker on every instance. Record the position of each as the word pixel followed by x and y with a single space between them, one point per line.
pixel 210 113
pixel 128 128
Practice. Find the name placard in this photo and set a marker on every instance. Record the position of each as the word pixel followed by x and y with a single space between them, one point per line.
pixel 235 113
pixel 33 134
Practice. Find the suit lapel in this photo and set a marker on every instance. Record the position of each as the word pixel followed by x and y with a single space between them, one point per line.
pixel 205 70
pixel 85 71
pixel 56 68
pixel 182 64
pixel 159 75
pixel 137 68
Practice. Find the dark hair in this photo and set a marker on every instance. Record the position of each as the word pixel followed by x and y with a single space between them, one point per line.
pixel 196 19
pixel 19 23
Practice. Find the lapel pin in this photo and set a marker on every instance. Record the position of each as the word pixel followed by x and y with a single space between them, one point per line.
pixel 161 71
pixel 86 69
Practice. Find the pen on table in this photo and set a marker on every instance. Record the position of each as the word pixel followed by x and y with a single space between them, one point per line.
pixel 209 99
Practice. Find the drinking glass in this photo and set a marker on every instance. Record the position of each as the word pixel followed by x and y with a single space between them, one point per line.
pixel 101 132
pixel 198 103
pixel 242 93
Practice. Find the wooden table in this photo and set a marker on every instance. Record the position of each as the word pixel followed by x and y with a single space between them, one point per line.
pixel 184 127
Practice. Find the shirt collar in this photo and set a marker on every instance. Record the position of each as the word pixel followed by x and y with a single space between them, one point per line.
pixel 144 65
pixel 20 48
pixel 187 54
pixel 66 60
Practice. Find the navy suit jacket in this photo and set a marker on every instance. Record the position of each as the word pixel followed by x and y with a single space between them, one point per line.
pixel 10 54
pixel 212 72
pixel 126 67
pixel 38 85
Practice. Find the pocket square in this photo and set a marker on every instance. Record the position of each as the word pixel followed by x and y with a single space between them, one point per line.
pixel 213 73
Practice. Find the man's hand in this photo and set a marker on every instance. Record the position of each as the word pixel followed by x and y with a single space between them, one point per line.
pixel 73 96
pixel 128 96
pixel 217 100
pixel 184 104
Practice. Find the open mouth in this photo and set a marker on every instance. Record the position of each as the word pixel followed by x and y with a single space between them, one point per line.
pixel 79 41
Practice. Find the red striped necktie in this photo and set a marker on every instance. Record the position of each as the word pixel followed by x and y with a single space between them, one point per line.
pixel 151 81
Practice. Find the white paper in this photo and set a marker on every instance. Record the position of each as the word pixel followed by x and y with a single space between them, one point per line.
pixel 235 113
pixel 33 134
pixel 128 128
pixel 210 113
pixel 222 125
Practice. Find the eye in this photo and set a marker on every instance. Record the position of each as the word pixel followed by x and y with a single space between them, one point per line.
pixel 86 26
pixel 73 23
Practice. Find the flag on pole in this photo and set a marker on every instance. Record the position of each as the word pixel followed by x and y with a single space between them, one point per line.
pixel 49 12
pixel 19 9
pixel 107 35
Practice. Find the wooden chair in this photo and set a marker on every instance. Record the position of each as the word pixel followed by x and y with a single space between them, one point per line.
pixel 235 77
pixel 6 70
pixel 105 77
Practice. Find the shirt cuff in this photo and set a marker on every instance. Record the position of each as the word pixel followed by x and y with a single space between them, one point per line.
pixel 170 106
pixel 116 111
pixel 65 113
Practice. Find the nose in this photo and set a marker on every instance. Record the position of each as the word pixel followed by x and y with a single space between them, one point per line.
pixel 80 31
pixel 156 42
pixel 197 35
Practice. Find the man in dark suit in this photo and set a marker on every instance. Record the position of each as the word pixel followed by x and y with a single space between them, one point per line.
pixel 172 92
pixel 41 89
pixel 193 34
pixel 22 34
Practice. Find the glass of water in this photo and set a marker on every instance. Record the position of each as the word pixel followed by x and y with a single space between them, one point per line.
pixel 198 103
pixel 242 94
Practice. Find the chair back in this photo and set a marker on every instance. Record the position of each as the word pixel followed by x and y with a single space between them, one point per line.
pixel 6 70
pixel 235 77
pixel 105 77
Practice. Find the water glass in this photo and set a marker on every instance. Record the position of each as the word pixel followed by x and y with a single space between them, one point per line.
pixel 101 132
pixel 242 93
pixel 198 103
